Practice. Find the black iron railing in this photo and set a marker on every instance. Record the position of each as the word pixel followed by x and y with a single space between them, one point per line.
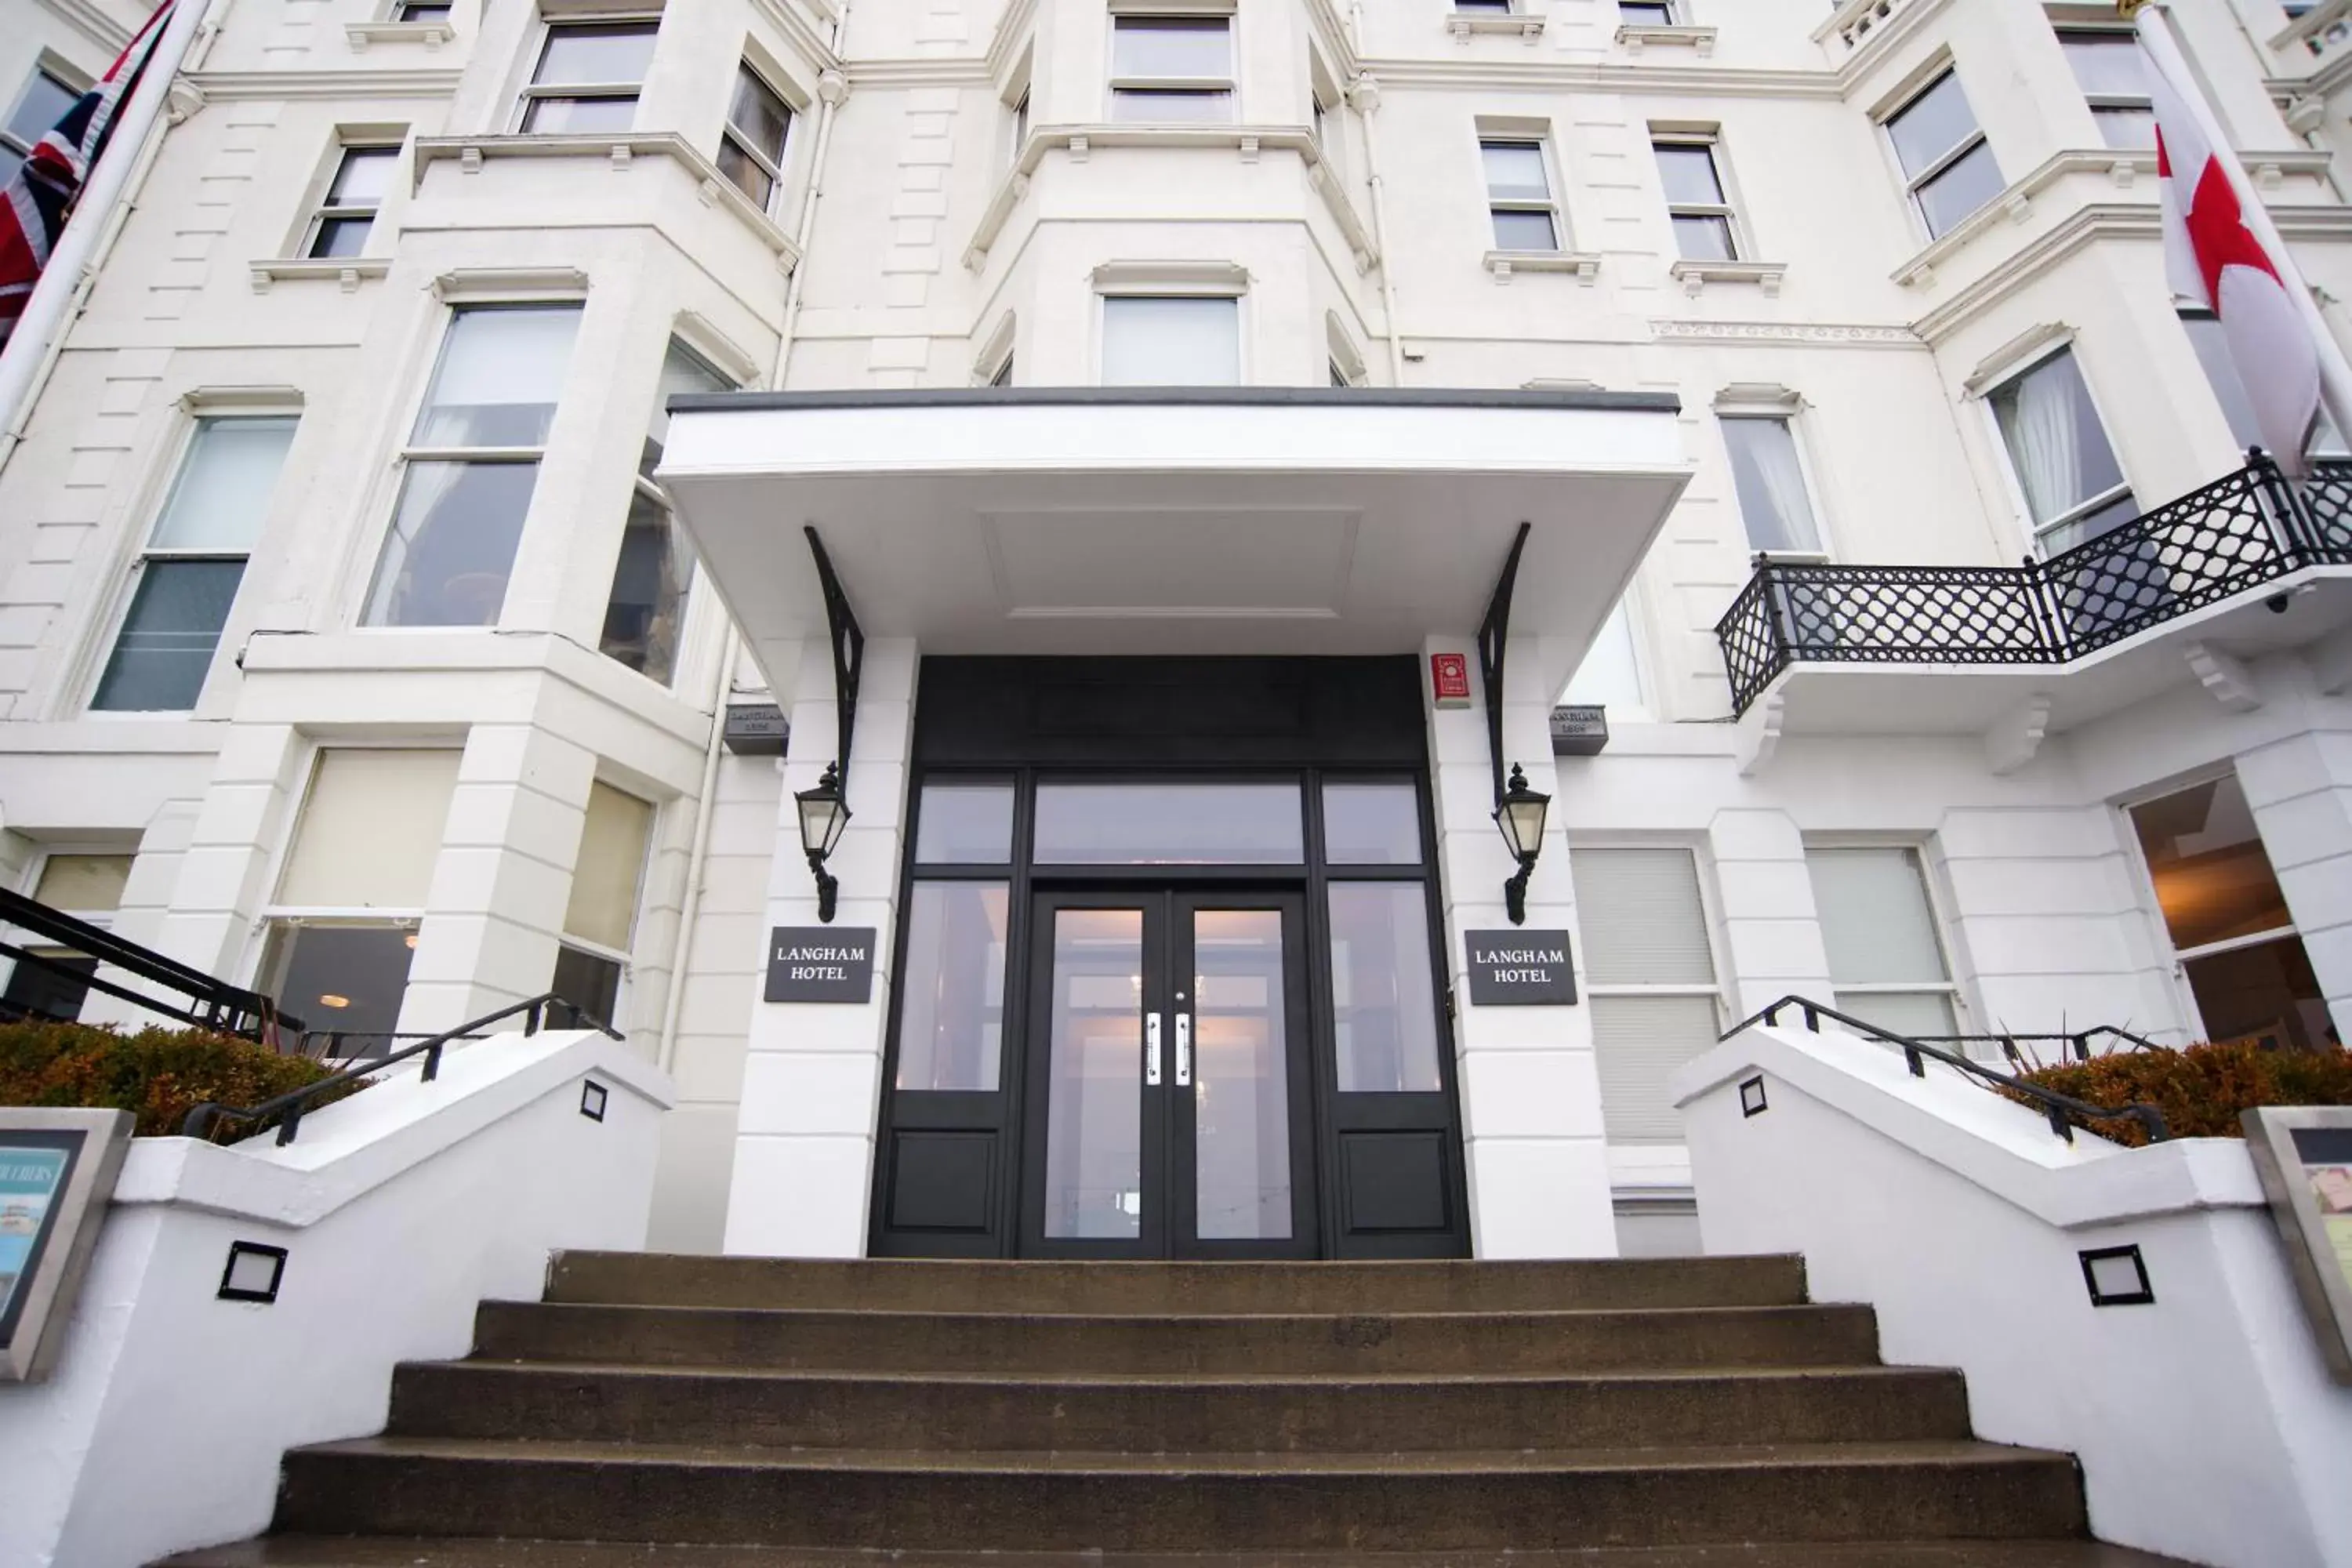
pixel 2063 1112
pixel 200 1000
pixel 2234 535
pixel 288 1108
pixel 2077 1044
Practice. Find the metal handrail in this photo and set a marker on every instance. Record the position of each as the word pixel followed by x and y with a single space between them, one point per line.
pixel 2057 1109
pixel 200 1120
pixel 2077 1041
pixel 215 1004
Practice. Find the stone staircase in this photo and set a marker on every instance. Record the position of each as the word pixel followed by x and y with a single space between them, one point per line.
pixel 722 1411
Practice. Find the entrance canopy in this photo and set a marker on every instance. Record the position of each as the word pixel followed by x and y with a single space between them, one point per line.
pixel 1147 521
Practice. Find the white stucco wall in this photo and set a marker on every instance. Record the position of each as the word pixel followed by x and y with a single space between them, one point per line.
pixel 400 1209
pixel 2205 1422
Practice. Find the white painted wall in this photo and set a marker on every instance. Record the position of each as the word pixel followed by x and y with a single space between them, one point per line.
pixel 2205 1422
pixel 400 1208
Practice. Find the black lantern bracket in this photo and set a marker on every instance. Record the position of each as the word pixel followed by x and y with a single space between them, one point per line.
pixel 1494 635
pixel 831 794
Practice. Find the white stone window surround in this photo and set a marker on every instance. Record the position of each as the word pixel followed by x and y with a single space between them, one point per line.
pixel 1707 137
pixel 555 17
pixel 777 166
pixel 1718 991
pixel 431 23
pixel 1174 279
pixel 1937 906
pixel 1203 87
pixel 1907 95
pixel 2144 895
pixel 993 364
pixel 1757 400
pixel 1347 364
pixel 456 291
pixel 193 411
pixel 1539 132
pixel 2005 367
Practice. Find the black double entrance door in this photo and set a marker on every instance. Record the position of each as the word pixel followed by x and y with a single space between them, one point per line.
pixel 1168 1081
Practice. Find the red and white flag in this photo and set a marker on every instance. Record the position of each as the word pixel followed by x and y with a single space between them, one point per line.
pixel 2214 260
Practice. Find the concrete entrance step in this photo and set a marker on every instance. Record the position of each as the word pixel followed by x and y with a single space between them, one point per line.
pixel 1019 1340
pixel 1166 1290
pixel 1028 1501
pixel 1180 1413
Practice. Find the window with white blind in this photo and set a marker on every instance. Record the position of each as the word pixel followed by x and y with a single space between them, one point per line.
pixel 1171 339
pixel 1172 68
pixel 470 466
pixel 1886 958
pixel 1650 979
pixel 602 915
pixel 646 611
pixel 1770 481
pixel 187 577
pixel 53 981
pixel 343 926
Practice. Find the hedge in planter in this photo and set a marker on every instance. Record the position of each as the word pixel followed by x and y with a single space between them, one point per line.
pixel 158 1074
pixel 2201 1089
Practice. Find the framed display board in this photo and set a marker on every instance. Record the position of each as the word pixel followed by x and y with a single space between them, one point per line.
pixel 56 1172
pixel 2304 1154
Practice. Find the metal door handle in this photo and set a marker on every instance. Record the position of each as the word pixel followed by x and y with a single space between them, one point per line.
pixel 1152 1048
pixel 1183 1050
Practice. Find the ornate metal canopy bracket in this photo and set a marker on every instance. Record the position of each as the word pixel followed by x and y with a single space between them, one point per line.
pixel 848 654
pixel 1494 632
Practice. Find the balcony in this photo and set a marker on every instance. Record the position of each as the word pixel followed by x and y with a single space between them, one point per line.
pixel 1841 648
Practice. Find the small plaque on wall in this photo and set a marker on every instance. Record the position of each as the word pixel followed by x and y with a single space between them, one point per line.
pixel 821 963
pixel 1516 967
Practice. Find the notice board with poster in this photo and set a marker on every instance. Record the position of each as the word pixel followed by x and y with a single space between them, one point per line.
pixel 56 1172
pixel 2304 1154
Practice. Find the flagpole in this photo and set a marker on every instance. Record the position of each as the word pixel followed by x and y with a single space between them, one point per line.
pixel 46 309
pixel 2154 24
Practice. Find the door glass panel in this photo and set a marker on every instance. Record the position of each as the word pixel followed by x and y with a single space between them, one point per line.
pixel 1093 1116
pixel 2213 878
pixel 952 995
pixel 965 825
pixel 1241 1102
pixel 1168 825
pixel 1371 825
pixel 1382 1001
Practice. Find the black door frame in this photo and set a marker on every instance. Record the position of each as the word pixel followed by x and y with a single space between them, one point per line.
pixel 1358 721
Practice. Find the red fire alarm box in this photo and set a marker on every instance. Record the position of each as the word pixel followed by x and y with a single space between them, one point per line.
pixel 1449 679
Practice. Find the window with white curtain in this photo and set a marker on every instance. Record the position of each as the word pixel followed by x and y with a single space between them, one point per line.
pixel 187 577
pixel 2113 72
pixel 1171 339
pixel 1611 675
pixel 2072 485
pixel 646 611
pixel 601 918
pixel 1172 68
pixel 351 892
pixel 1886 958
pixel 469 466
pixel 1769 481
pixel 1650 980
pixel 1948 166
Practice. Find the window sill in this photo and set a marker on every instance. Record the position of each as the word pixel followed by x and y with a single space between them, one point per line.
pixel 1585 264
pixel 2123 166
pixel 470 152
pixel 1695 276
pixel 432 35
pixel 1249 140
pixel 1464 25
pixel 346 270
pixel 1635 38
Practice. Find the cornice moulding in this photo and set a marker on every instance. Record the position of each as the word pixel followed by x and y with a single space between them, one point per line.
pixel 918 73
pixel 1802 334
pixel 1015 25
pixel 91 23
pixel 814 46
pixel 471 283
pixel 1649 81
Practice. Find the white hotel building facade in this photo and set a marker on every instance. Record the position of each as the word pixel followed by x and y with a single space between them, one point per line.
pixel 1165 389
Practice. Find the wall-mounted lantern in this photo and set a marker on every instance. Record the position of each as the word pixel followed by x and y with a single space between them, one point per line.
pixel 823 815
pixel 1520 816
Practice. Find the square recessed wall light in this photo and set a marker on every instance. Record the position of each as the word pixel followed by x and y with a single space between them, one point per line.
pixel 254 1272
pixel 593 1096
pixel 2118 1277
pixel 1751 1096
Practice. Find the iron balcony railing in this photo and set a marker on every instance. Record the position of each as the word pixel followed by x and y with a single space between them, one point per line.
pixel 2234 535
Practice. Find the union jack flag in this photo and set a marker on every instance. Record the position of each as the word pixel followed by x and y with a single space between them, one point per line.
pixel 35 205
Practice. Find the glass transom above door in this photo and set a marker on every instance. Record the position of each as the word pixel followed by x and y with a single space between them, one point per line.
pixel 1170 825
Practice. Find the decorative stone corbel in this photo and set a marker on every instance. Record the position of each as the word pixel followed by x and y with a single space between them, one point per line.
pixel 2305 114
pixel 2225 676
pixel 2012 740
pixel 1757 734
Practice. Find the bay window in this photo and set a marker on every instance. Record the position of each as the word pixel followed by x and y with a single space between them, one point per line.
pixel 588 77
pixel 1947 167
pixel 645 612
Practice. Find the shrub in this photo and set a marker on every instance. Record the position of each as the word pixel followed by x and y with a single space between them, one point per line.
pixel 157 1073
pixel 2201 1089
